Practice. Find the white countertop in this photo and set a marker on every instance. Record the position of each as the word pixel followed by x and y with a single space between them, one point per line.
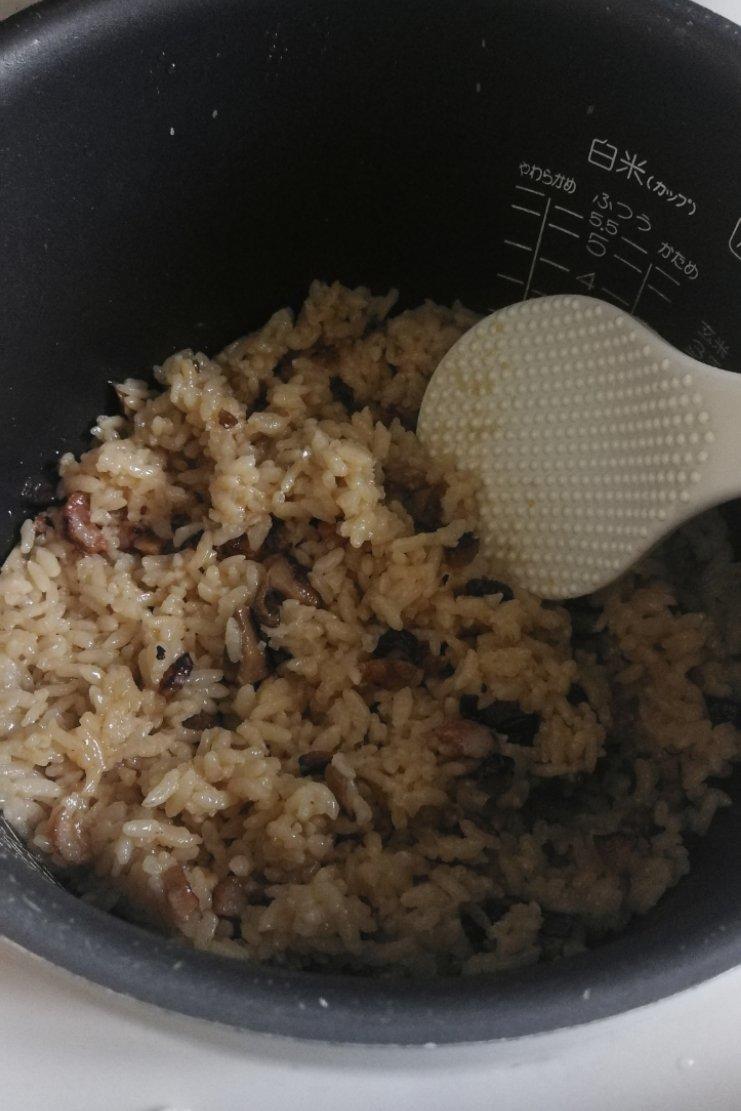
pixel 67 1045
pixel 73 1047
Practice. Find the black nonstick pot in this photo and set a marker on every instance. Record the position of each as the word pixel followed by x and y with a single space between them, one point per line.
pixel 173 171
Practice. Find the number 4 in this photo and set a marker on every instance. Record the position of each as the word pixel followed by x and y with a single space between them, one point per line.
pixel 587 279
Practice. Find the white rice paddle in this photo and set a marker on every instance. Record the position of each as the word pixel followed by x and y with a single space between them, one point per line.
pixel 590 436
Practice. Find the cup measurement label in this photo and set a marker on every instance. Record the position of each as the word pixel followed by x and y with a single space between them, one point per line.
pixel 610 234
pixel 606 245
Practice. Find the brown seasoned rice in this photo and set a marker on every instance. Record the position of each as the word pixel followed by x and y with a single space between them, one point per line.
pixel 256 681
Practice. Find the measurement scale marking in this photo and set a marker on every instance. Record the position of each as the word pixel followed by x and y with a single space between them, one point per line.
pixel 635 245
pixel 671 279
pixel 615 296
pixel 557 227
pixel 543 223
pixel 557 265
pixel 658 292
pixel 641 288
pixel 568 211
pixel 625 262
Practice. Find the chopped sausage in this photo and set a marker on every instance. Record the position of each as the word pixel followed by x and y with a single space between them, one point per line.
pixel 392 675
pixel 42 524
pixel 181 897
pixel 78 526
pixel 67 833
pixel 228 898
pixel 465 738
pixel 176 674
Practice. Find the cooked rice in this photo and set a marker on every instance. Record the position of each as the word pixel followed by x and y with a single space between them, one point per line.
pixel 512 781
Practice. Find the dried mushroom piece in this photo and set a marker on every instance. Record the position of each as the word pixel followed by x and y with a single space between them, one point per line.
pixel 138 538
pixel 244 648
pixel 181 898
pixel 313 763
pixel 495 775
pixel 477 919
pixel 79 528
pixel 240 545
pixel 202 720
pixel 176 674
pixel 342 392
pixel 291 580
pixel 284 578
pixel 506 718
pixel 576 694
pixel 399 644
pixel 463 553
pixel 340 778
pixel 422 503
pixel 583 617
pixel 482 588
pixel 723 710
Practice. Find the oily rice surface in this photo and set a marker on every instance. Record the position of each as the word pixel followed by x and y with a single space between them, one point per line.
pixel 258 687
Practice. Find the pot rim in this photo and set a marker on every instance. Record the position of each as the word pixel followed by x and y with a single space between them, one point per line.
pixel 88 942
